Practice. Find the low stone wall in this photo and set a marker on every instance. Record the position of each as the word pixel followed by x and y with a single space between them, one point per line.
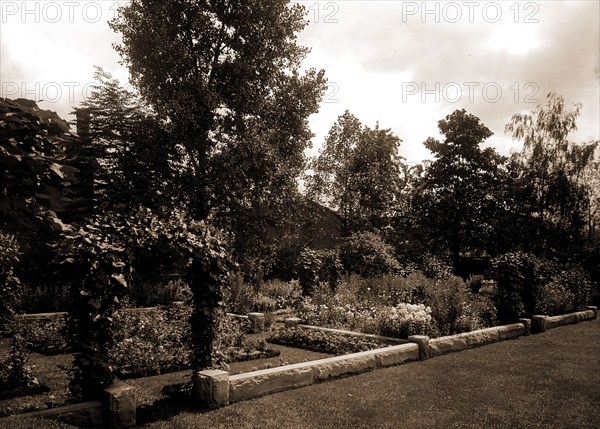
pixel 258 383
pixel 480 337
pixel 117 409
pixel 542 323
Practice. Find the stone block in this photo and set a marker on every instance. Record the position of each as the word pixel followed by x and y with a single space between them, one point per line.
pixel 292 322
pixel 511 331
pixel 568 319
pixel 212 388
pixel 121 402
pixel 538 323
pixel 594 310
pixel 257 322
pixel 527 324
pixel 343 365
pixel 258 383
pixel 396 355
pixel 423 343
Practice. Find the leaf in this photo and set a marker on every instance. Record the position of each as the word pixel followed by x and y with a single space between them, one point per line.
pixel 120 279
pixel 57 169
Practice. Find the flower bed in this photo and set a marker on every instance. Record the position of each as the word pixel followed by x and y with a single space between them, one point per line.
pixel 152 341
pixel 324 342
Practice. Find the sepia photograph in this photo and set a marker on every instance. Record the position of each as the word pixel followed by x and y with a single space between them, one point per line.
pixel 314 214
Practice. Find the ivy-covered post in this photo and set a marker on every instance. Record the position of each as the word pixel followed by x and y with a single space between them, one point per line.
pixel 97 261
pixel 206 307
pixel 206 276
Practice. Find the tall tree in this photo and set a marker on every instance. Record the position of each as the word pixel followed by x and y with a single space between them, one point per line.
pixel 457 198
pixel 128 144
pixel 554 173
pixel 359 173
pixel 329 182
pixel 224 72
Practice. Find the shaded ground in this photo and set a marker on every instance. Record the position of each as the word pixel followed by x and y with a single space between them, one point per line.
pixel 551 380
pixel 53 371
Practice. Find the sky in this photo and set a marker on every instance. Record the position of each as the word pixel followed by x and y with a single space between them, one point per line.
pixel 404 64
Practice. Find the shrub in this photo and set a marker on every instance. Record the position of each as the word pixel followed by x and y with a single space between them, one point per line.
pixel 436 267
pixel 518 276
pixel 366 254
pixel 447 297
pixel 46 336
pixel 16 376
pixel 567 291
pixel 366 305
pixel 45 298
pixel 239 296
pixel 280 295
pixel 151 342
pixel 316 266
pixel 150 294
pixel 554 298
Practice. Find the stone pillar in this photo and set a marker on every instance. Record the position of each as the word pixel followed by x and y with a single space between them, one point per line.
pixel 538 323
pixel 527 324
pixel 292 322
pixel 121 405
pixel 594 309
pixel 257 322
pixel 211 388
pixel 423 342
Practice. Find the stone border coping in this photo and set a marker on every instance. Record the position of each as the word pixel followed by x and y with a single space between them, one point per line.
pixel 117 409
pixel 250 385
pixel 480 337
pixel 542 323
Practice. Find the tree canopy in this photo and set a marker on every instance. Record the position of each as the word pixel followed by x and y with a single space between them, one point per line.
pixel 226 74
pixel 359 173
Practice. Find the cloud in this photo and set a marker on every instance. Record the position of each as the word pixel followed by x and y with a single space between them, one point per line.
pixel 374 53
pixel 492 69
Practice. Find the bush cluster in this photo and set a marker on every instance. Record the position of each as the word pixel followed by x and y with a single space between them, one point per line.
pixel 366 254
pixel 16 376
pixel 527 284
pixel 404 320
pixel 367 305
pixel 267 297
pixel 316 266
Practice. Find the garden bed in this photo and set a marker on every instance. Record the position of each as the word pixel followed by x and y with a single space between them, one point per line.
pixel 324 341
pixel 53 371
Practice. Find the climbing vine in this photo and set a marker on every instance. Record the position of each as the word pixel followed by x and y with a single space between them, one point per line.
pixel 99 256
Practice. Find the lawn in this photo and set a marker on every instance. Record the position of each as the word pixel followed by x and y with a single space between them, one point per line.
pixel 551 380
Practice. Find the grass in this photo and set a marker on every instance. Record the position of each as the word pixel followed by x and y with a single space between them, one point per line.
pixel 551 380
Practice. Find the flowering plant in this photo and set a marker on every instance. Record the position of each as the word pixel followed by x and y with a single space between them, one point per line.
pixel 404 320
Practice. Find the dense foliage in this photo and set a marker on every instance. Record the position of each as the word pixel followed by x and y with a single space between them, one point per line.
pixel 16 376
pixel 324 342
pixel 201 164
